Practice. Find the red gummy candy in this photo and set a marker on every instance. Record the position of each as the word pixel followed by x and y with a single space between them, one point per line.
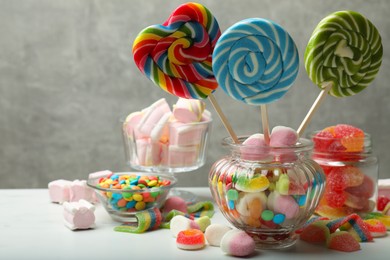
pixel 343 241
pixel 335 180
pixel 335 199
pixel 316 232
pixel 382 202
pixel 352 138
pixel 352 176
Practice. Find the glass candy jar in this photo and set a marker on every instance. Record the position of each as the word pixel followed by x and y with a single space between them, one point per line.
pixel 269 192
pixel 351 172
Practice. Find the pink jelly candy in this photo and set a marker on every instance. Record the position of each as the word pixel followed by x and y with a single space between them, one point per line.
pixel 366 189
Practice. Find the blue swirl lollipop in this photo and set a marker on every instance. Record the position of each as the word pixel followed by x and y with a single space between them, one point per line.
pixel 255 61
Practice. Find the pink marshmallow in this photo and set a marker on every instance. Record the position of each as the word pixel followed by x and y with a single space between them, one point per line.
pixel 188 110
pixel 237 243
pixel 100 174
pixel 174 203
pixel 59 190
pixel 161 130
pixel 148 152
pixel 153 115
pixel 186 134
pixel 131 123
pixel 284 204
pixel 79 215
pixel 255 148
pixel 384 188
pixel 80 190
pixel 180 156
pixel 282 136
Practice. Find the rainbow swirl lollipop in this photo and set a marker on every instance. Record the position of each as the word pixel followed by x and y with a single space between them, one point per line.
pixel 176 55
pixel 255 61
pixel 345 50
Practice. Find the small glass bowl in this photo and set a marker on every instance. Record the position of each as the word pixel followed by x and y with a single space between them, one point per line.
pixel 182 147
pixel 123 203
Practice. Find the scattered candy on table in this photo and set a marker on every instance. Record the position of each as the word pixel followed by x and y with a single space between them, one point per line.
pixel 236 242
pixel 79 215
pixel 61 191
pixel 215 232
pixel 190 239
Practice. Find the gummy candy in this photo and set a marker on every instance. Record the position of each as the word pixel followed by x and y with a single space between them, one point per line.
pixel 334 198
pixel 335 181
pixel 382 202
pixel 343 241
pixel 355 201
pixel 352 138
pixel 316 232
pixel 366 189
pixel 351 176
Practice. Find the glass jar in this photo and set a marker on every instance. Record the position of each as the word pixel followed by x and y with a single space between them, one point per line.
pixel 269 192
pixel 351 176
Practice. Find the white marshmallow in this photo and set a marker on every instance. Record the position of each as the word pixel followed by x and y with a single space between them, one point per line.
pixel 215 232
pixel 180 223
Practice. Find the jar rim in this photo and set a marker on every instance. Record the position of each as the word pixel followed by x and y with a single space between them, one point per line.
pixel 303 144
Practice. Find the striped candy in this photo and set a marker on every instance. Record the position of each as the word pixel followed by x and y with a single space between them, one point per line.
pixel 255 61
pixel 346 50
pixel 176 55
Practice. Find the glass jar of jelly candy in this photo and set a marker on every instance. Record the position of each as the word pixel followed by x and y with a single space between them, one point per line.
pixel 269 192
pixel 345 154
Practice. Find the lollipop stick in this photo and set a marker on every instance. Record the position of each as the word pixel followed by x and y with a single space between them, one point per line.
pixel 224 120
pixel 314 108
pixel 264 119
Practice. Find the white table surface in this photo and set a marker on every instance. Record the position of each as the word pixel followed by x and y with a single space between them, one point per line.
pixel 32 228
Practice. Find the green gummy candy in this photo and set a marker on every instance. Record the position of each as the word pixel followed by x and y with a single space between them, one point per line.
pixel 232 194
pixel 283 184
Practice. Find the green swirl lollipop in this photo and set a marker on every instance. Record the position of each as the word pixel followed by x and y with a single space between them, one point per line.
pixel 343 56
pixel 346 50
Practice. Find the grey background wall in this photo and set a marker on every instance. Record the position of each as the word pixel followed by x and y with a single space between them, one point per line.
pixel 67 76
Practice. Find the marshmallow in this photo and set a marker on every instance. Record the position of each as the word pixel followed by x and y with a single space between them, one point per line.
pixel 80 190
pixel 215 232
pixel 284 204
pixel 179 223
pixel 174 203
pixel 282 136
pixel 160 131
pixel 255 148
pixel 384 188
pixel 186 134
pixel 79 215
pixel 180 156
pixel 188 110
pixel 59 190
pixel 100 174
pixel 237 243
pixel 130 124
pixel 152 116
pixel 148 152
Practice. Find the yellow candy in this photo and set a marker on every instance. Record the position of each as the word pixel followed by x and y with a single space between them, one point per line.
pixel 140 205
pixel 152 183
pixel 138 197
